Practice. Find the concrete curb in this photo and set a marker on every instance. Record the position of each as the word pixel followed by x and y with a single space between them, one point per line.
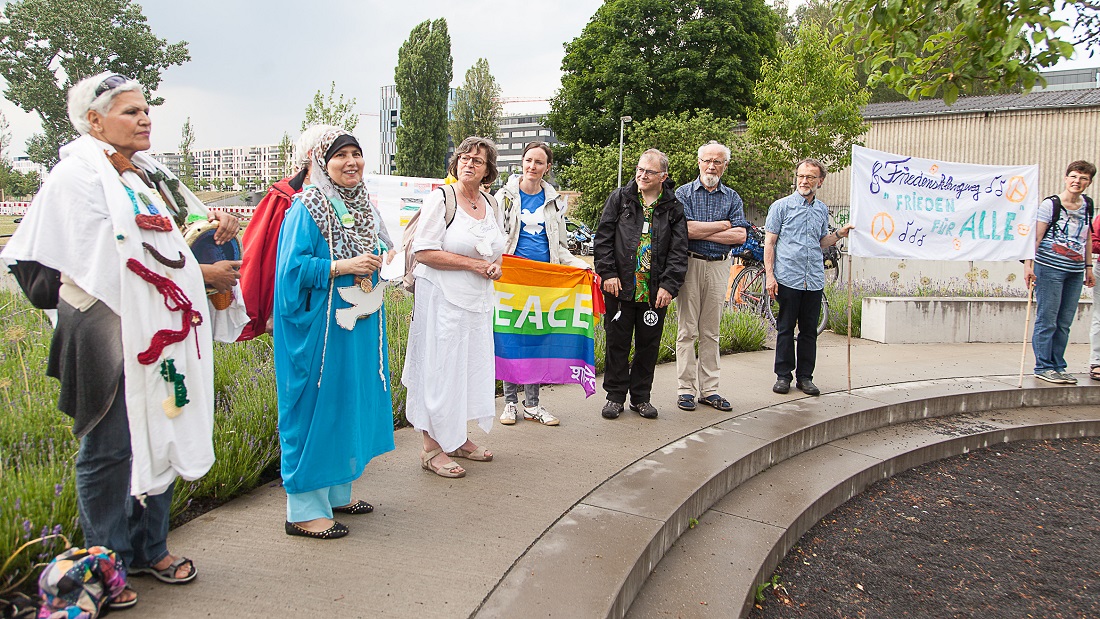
pixel 595 559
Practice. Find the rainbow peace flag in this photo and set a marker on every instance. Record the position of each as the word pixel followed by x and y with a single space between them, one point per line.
pixel 544 322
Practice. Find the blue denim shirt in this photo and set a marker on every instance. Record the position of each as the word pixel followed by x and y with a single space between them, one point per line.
pixel 702 205
pixel 800 225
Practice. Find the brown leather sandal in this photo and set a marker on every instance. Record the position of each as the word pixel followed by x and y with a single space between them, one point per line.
pixel 451 470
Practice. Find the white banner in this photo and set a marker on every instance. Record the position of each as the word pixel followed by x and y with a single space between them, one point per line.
pixel 924 209
pixel 398 198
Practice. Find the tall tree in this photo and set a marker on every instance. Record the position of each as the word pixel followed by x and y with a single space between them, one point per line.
pixel 644 58
pixel 5 138
pixel 187 161
pixel 331 111
pixel 46 46
pixel 809 105
pixel 286 156
pixel 423 77
pixel 477 108
pixel 6 168
pixel 594 168
pixel 951 47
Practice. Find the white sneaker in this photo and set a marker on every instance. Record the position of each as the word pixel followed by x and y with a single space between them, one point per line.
pixel 508 417
pixel 540 415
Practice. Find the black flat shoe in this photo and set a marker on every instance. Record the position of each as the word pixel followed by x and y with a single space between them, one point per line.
pixel 356 508
pixel 336 531
pixel 645 409
pixel 808 387
pixel 782 385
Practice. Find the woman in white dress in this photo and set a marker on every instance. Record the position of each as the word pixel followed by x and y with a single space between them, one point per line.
pixel 449 365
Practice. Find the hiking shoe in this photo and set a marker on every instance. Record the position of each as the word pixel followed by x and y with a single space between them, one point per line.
pixel 1069 378
pixel 645 409
pixel 611 410
pixel 539 414
pixel 508 417
pixel 1051 376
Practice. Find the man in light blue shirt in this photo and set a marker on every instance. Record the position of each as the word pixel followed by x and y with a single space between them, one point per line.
pixel 796 231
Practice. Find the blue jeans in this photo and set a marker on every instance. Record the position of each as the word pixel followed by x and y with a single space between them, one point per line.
pixel 109 516
pixel 530 393
pixel 1057 294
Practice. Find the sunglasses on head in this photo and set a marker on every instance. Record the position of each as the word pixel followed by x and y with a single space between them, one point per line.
pixel 112 82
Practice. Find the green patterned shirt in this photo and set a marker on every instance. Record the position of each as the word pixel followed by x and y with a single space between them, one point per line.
pixel 642 264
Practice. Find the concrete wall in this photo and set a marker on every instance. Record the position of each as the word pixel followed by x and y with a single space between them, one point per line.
pixel 932 320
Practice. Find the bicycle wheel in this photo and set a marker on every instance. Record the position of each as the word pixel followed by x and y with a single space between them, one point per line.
pixel 747 289
pixel 757 299
pixel 823 320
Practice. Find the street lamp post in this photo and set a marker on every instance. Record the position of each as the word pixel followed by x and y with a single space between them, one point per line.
pixel 622 125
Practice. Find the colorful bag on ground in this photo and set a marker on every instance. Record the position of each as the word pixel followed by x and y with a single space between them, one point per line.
pixel 79 583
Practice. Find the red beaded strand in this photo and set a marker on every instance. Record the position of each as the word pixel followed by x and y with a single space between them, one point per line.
pixel 176 301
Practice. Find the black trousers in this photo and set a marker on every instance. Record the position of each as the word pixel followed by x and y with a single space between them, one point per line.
pixel 621 374
pixel 801 307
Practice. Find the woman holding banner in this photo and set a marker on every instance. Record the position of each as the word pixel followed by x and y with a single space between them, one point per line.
pixel 449 368
pixel 533 223
pixel 1062 254
pixel 331 359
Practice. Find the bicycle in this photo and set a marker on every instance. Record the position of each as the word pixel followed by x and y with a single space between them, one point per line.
pixel 747 290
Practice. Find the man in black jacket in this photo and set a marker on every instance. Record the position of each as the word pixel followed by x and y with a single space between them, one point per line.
pixel 641 255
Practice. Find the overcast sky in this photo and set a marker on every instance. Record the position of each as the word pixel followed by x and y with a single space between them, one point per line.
pixel 256 64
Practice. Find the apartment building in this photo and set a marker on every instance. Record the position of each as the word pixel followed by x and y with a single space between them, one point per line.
pixel 256 166
pixel 389 119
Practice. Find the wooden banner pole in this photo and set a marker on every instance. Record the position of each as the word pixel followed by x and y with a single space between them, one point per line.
pixel 1023 346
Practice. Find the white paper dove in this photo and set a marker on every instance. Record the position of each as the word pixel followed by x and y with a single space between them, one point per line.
pixel 362 303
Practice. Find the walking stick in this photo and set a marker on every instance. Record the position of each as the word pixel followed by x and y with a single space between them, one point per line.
pixel 1023 347
pixel 849 324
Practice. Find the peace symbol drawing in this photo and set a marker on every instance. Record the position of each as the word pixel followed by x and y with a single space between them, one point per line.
pixel 1016 190
pixel 882 227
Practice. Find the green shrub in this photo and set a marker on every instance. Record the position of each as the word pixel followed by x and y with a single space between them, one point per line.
pixel 741 331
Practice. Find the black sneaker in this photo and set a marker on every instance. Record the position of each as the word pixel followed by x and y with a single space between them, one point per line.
pixel 782 385
pixel 645 409
pixel 611 410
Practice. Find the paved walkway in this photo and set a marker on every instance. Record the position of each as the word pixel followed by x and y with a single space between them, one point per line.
pixel 437 548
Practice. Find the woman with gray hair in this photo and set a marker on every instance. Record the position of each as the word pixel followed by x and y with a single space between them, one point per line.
pixel 449 364
pixel 132 346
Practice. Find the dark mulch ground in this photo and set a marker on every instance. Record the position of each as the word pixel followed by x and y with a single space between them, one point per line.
pixel 1009 531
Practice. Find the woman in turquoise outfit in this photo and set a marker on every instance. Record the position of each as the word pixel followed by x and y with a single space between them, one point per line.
pixel 332 371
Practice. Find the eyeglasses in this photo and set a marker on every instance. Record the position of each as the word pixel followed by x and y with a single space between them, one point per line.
pixel 713 162
pixel 806 177
pixel 112 82
pixel 644 172
pixel 477 162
